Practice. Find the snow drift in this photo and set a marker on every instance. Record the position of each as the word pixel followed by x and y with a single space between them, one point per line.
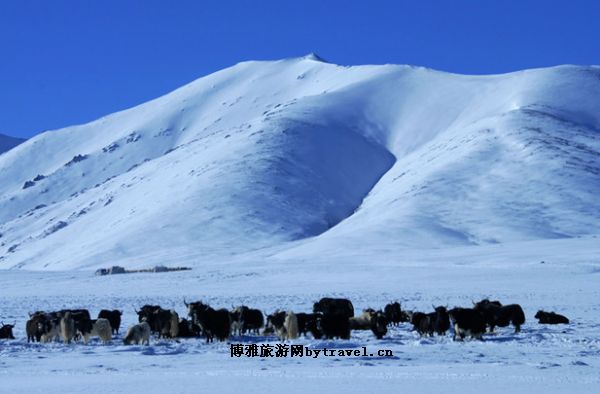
pixel 300 157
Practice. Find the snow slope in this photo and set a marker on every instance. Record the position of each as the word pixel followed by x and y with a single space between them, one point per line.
pixel 298 158
pixel 8 142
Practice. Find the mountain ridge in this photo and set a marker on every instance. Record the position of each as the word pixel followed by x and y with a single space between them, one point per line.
pixel 301 152
pixel 7 142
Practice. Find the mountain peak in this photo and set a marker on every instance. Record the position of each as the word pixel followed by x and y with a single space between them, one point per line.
pixel 315 57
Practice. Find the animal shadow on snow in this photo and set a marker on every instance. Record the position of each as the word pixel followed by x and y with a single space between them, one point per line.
pixel 253 338
pixel 158 348
pixel 527 334
pixel 333 344
pixel 18 346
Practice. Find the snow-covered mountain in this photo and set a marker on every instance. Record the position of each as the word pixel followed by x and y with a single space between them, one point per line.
pixel 7 142
pixel 299 157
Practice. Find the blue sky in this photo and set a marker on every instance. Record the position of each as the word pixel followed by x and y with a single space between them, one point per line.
pixel 69 62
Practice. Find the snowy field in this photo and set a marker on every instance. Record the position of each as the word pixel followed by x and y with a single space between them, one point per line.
pixel 559 275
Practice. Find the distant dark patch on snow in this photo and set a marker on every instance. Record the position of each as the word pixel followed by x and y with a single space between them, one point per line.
pixel 39 206
pixel 256 132
pixel 12 248
pixel 110 148
pixel 28 184
pixel 579 363
pixel 133 137
pixel 164 132
pixel 31 211
pixel 108 179
pixel 39 177
pixel 595 270
pixel 76 159
pixel 115 269
pixel 133 167
pixel 137 165
pixel 170 150
pixel 110 199
pixel 78 214
pixel 55 228
pixel 400 176
pixel 120 270
pixel 559 115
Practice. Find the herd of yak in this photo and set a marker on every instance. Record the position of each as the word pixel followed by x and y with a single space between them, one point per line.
pixel 331 318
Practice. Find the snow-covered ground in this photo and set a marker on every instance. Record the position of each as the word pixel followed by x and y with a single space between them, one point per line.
pixel 559 275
